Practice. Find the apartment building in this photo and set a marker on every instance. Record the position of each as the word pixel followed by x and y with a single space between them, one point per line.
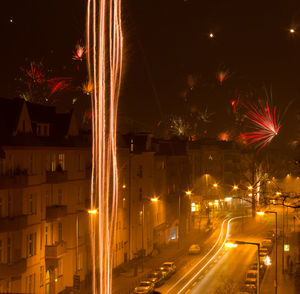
pixel 44 188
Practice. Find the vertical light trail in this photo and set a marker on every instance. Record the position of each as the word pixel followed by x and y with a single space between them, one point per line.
pixel 104 59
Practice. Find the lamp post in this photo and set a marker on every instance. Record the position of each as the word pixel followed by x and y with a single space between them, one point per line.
pixel 234 244
pixel 276 275
pixel 153 200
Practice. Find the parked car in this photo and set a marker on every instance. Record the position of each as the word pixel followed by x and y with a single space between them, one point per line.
pixel 142 290
pixel 165 271
pixel 194 249
pixel 147 284
pixel 156 278
pixel 170 265
pixel 251 274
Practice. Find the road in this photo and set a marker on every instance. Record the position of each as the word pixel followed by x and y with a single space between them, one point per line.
pixel 218 266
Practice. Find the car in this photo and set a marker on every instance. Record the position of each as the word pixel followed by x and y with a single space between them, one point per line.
pixel 265 249
pixel 194 249
pixel 170 265
pixel 251 282
pixel 251 274
pixel 148 284
pixel 165 271
pixel 142 290
pixel 156 278
pixel 268 243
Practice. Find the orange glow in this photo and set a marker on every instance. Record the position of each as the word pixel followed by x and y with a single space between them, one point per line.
pixel 104 46
pixel 235 187
pixel 154 199
pixel 188 193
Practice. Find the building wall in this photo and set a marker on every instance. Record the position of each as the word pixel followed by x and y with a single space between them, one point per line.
pixel 35 244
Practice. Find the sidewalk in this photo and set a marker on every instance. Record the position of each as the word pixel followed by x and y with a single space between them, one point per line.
pixel 125 282
pixel 287 282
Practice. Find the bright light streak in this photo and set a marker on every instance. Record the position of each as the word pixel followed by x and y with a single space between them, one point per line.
pixel 209 261
pixel 227 199
pixel 105 41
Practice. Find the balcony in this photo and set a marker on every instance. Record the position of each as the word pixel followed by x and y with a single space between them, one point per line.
pixel 15 269
pixel 58 176
pixel 16 223
pixel 55 212
pixel 13 181
pixel 53 253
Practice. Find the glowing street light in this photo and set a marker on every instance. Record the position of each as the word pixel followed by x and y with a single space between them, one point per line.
pixel 292 31
pixel 230 245
pixel 227 199
pixel 92 211
pixel 188 193
pixel 154 199
pixel 233 244
pixel 215 185
pixel 250 188
pixel 235 187
pixel 211 35
pixel 260 213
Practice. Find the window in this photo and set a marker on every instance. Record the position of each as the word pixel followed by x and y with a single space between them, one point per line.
pixel 9 205
pixel 8 250
pixel 53 162
pixel 46 133
pixel 30 204
pixel 60 267
pixel 140 171
pixel 31 244
pixel 1 207
pixel 131 145
pixel 79 162
pixel 60 232
pixel 1 251
pixel 46 235
pixel 41 276
pixel 41 239
pixel 59 196
pixel 61 160
pixel 31 164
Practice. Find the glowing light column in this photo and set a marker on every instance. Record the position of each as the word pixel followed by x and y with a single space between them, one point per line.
pixel 104 60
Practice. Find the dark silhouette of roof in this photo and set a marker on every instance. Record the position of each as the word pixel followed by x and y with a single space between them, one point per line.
pixel 9 114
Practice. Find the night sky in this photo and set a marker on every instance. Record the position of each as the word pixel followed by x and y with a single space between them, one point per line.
pixel 166 41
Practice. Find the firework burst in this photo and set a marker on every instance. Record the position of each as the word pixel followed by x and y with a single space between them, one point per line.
pixel 265 124
pixel 223 74
pixel 78 53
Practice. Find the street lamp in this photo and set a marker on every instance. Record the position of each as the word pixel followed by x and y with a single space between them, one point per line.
pixel 92 211
pixel 275 278
pixel 234 244
pixel 250 188
pixel 153 199
pixel 235 187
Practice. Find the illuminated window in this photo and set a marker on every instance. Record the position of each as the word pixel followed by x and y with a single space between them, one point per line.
pixel 61 160
pixel 193 207
pixel 1 251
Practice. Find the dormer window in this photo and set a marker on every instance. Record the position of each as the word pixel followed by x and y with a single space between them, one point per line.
pixel 42 130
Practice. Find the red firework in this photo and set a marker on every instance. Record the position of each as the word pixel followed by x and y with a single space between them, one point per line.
pixel 35 73
pixel 264 122
pixel 79 52
pixel 58 84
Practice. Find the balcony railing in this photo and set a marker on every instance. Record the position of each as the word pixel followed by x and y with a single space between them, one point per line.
pixel 13 181
pixel 55 212
pixel 55 251
pixel 53 177
pixel 13 223
pixel 16 268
